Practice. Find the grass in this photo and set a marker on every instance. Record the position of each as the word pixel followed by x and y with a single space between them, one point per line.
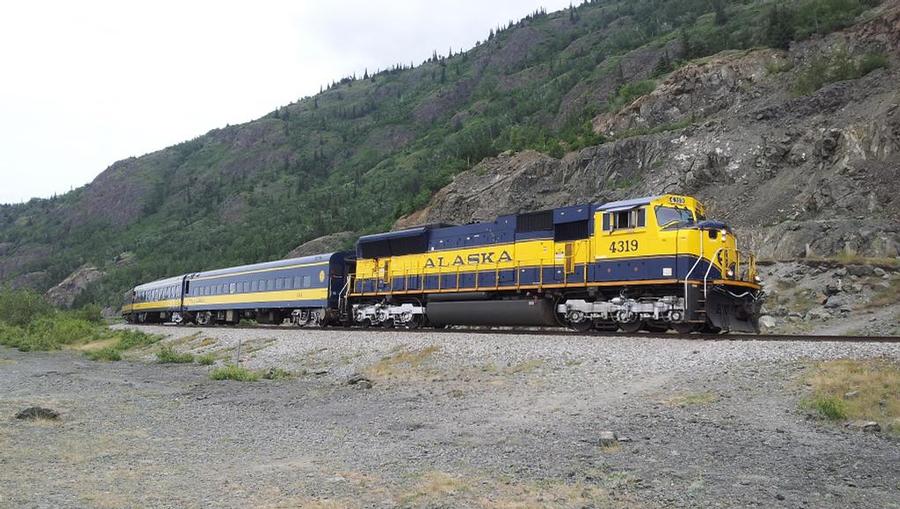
pixel 856 390
pixel 401 364
pixel 169 356
pixel 855 259
pixel 829 407
pixel 232 372
pixel 886 296
pixel 277 374
pixel 437 489
pixel 104 354
pixel 642 131
pixel 206 360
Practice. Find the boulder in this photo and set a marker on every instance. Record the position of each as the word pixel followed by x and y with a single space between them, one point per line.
pixel 36 412
pixel 608 438
pixel 64 294
pixel 861 270
pixel 868 426
pixel 767 321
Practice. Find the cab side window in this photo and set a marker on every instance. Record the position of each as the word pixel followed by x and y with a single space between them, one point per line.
pixel 625 219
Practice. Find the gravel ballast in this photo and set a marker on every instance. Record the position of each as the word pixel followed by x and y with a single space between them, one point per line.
pixel 421 419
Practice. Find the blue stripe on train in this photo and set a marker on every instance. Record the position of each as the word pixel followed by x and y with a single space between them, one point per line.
pixel 605 271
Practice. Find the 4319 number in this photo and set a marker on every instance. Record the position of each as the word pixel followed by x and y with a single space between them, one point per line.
pixel 623 246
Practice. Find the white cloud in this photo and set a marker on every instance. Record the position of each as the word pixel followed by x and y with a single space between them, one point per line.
pixel 87 83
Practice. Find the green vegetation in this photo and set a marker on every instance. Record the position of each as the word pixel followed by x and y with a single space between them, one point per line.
pixel 108 353
pixel 365 151
pixel 277 374
pixel 837 66
pixel 627 93
pixel 232 372
pixel 28 323
pixel 169 356
pixel 829 407
pixel 867 390
pixel 206 360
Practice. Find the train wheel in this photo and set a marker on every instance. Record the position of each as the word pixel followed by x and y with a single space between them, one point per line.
pixel 582 326
pixel 630 327
pixel 655 327
pixel 204 318
pixel 388 324
pixel 709 328
pixel 684 328
pixel 415 322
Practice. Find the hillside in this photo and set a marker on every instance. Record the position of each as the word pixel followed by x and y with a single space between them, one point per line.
pixel 554 96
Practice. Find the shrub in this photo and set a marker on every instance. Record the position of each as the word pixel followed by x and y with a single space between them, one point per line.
pixel 627 93
pixel 21 307
pixel 169 356
pixel 871 62
pixel 277 374
pixel 206 360
pixel 90 313
pixel 232 372
pixel 829 407
pixel 105 354
pixel 131 339
pixel 837 66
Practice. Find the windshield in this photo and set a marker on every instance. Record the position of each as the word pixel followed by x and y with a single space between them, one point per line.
pixel 666 215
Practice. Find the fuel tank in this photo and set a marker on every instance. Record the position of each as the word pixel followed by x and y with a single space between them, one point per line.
pixel 524 312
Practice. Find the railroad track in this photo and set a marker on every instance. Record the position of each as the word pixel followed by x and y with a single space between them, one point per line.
pixel 569 333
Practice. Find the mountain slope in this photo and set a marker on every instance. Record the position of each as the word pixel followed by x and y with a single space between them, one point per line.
pixel 366 151
pixel 809 174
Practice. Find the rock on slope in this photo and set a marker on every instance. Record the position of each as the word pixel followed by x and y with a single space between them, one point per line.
pixel 797 176
pixel 64 294
pixel 325 244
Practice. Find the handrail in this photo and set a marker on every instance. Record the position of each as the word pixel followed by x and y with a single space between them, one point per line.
pixel 688 275
pixel 709 269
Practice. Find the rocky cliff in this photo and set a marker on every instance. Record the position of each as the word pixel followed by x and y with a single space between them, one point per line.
pixel 797 174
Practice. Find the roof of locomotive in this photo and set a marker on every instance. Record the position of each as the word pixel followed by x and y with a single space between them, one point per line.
pixel 627 204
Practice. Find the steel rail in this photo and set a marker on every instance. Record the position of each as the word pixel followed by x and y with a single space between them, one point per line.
pixel 558 332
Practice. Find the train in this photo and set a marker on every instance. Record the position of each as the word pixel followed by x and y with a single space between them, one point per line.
pixel 655 263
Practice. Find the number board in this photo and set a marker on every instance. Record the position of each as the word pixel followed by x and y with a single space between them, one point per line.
pixel 623 246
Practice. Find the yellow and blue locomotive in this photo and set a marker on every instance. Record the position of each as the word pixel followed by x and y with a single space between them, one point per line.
pixel 654 263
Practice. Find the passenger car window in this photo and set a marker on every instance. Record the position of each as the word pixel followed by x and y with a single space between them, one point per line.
pixel 232 288
pixel 307 281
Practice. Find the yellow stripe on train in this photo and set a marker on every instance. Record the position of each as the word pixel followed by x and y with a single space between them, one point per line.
pixel 242 298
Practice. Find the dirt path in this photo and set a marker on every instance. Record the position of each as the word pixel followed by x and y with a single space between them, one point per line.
pixel 471 422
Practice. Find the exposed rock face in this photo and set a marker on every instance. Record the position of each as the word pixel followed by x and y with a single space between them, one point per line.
pixel 804 176
pixel 326 244
pixel 64 294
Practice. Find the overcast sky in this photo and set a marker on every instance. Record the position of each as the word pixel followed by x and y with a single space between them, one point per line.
pixel 84 84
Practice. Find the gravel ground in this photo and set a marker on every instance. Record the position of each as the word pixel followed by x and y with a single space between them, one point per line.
pixel 451 420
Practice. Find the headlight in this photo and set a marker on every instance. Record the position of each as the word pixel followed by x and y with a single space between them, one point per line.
pixel 729 273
